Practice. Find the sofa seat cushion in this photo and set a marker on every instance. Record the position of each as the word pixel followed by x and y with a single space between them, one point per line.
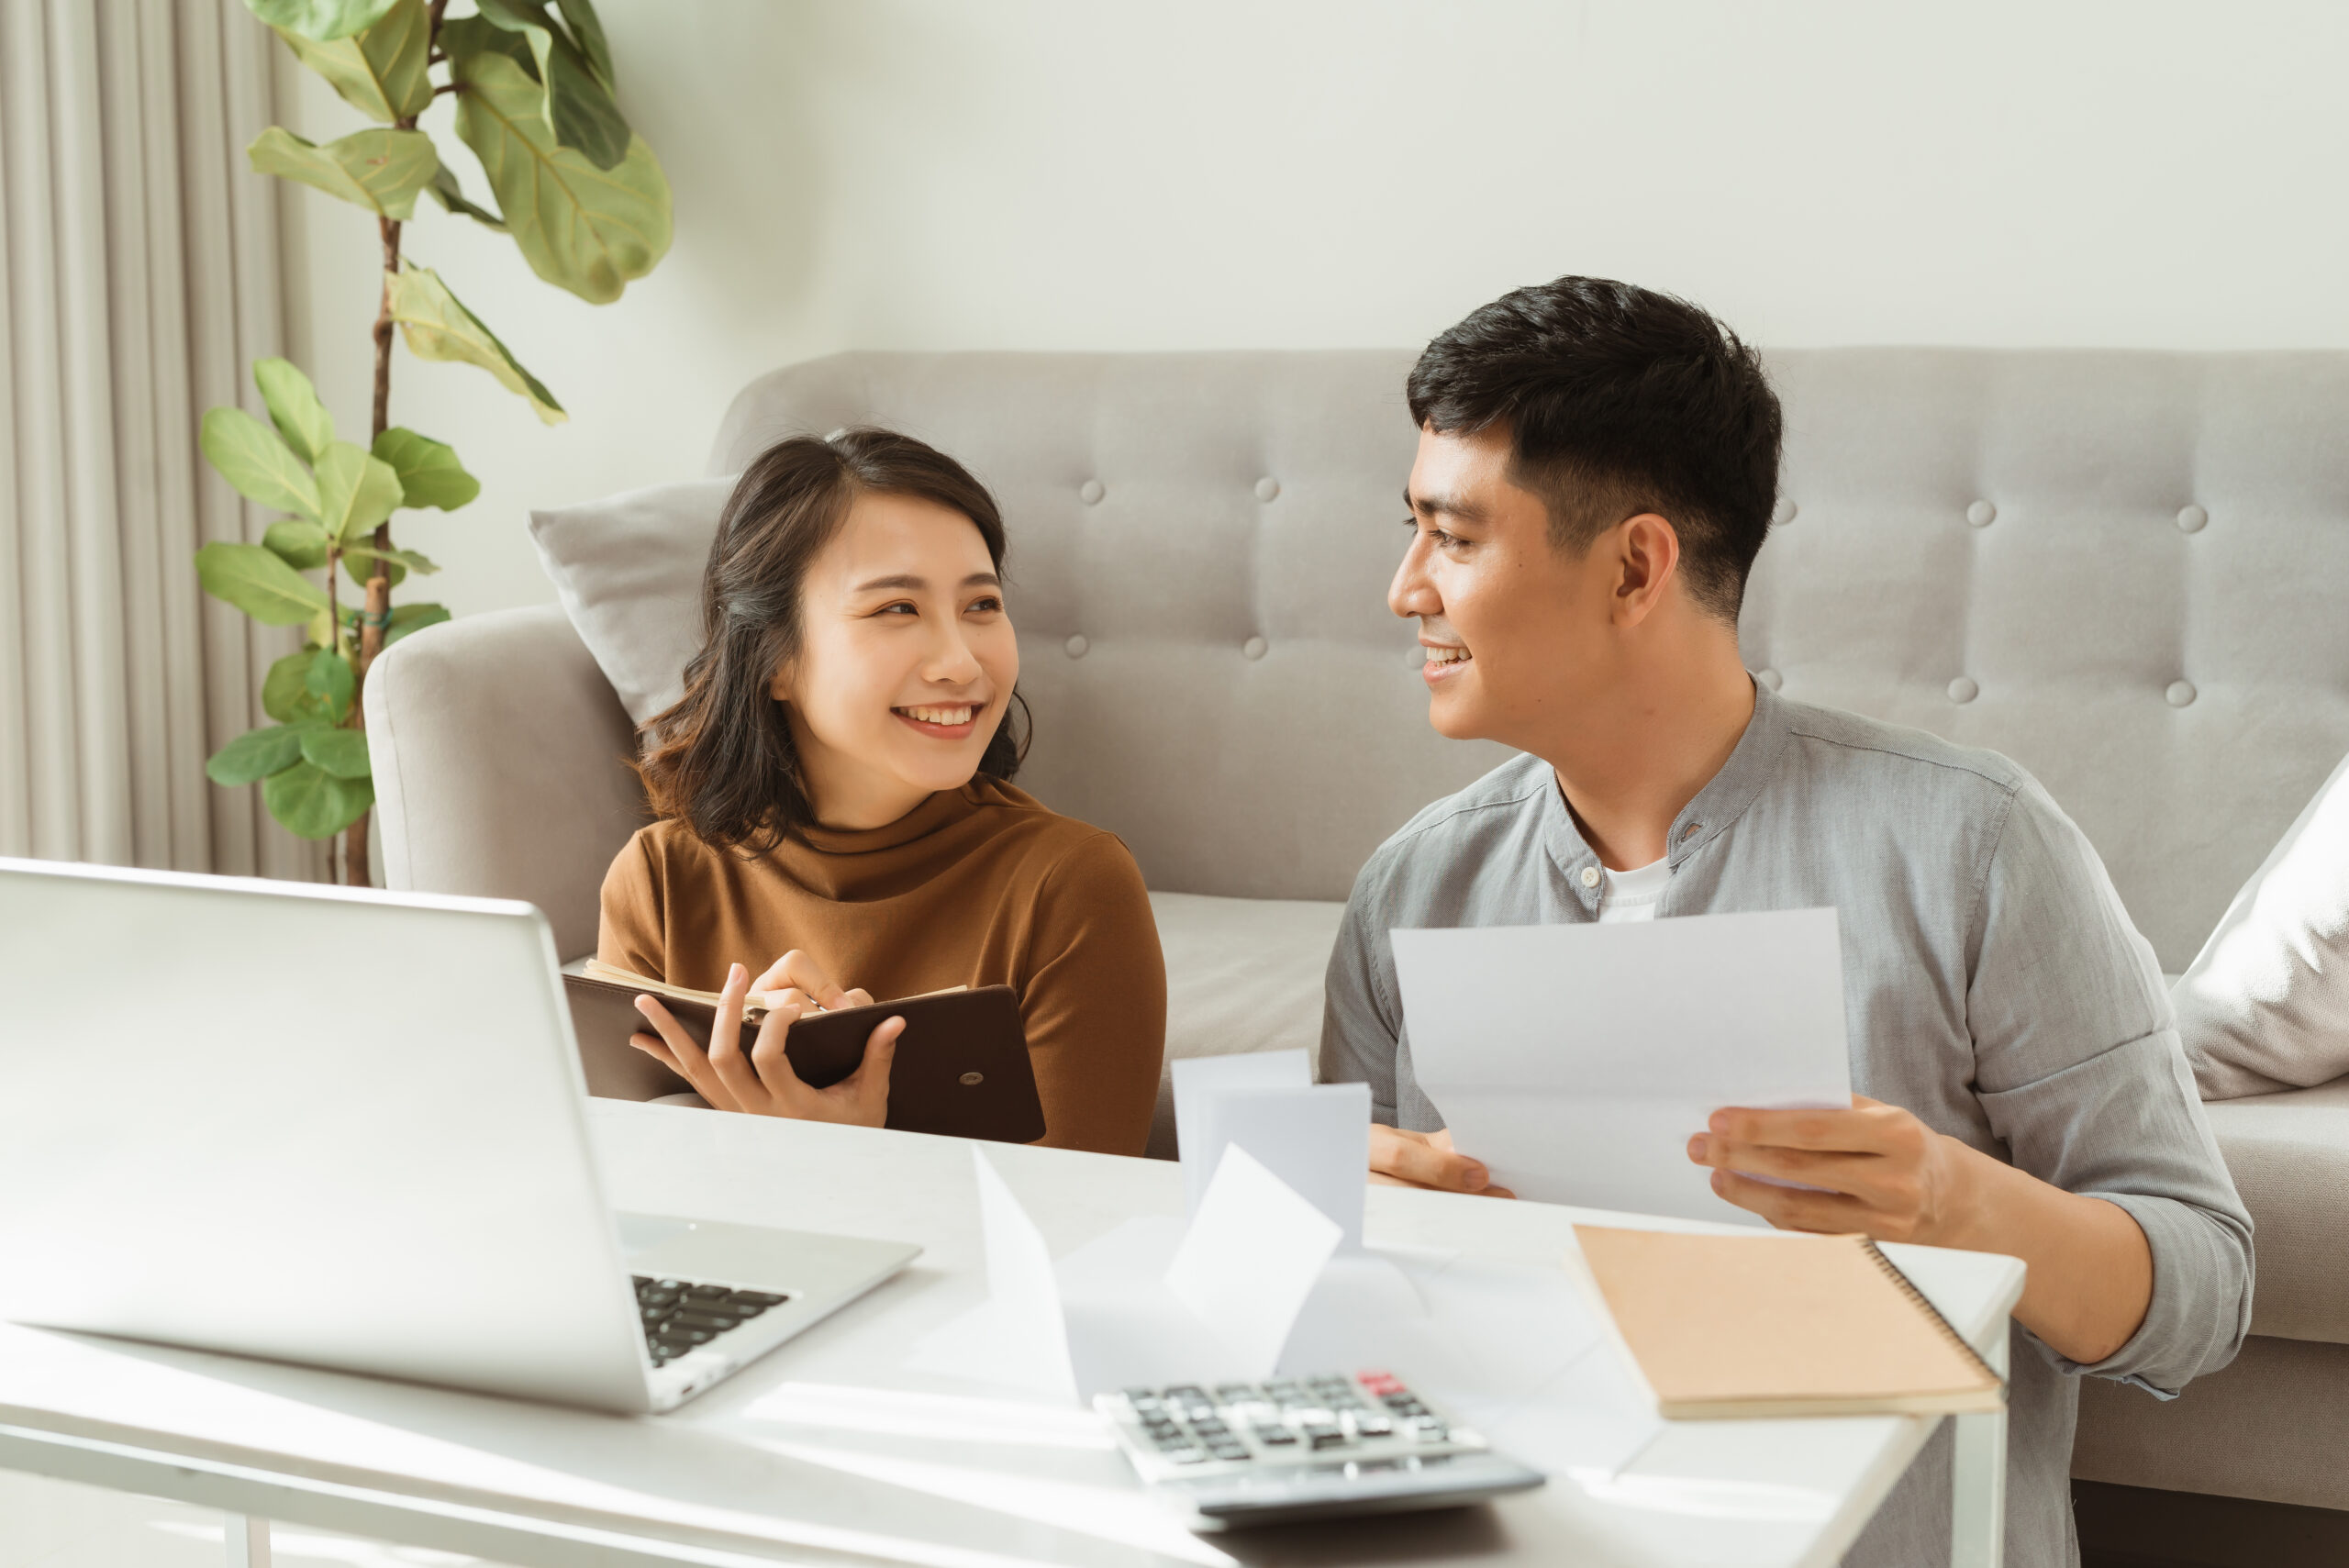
pixel 1242 975
pixel 2290 1154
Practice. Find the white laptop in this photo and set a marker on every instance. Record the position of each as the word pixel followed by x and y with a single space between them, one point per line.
pixel 345 1128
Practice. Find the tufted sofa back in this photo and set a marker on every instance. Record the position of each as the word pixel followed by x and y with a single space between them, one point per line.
pixel 2129 572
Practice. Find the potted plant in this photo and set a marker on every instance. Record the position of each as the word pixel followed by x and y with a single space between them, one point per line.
pixel 583 199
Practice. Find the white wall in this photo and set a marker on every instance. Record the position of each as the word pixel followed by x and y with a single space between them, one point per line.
pixel 1093 173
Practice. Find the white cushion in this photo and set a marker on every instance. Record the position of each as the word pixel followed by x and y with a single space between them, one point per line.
pixel 1242 975
pixel 628 569
pixel 2265 1006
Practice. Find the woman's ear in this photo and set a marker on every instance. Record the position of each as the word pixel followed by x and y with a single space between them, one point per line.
pixel 779 686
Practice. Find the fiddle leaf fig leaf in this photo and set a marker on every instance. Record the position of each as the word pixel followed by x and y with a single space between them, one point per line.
pixel 379 170
pixel 257 462
pixel 330 684
pixel 406 618
pixel 281 689
pixel 445 190
pixel 355 492
pixel 340 753
pixel 298 542
pixel 254 755
pixel 320 19
pixel 575 94
pixel 429 470
pixel 253 578
pixel 381 71
pixel 584 228
pixel 313 802
pixel 294 408
pixel 396 564
pixel 588 29
pixel 307 686
pixel 437 327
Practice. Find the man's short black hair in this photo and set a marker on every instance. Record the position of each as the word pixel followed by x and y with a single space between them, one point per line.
pixel 1619 400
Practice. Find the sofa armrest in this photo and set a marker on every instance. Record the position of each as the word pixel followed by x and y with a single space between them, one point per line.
pixel 499 752
pixel 2289 1156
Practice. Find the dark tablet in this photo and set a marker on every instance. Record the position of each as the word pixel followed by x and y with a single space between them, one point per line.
pixel 962 1067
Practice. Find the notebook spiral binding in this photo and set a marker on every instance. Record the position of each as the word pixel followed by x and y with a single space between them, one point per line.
pixel 1907 1287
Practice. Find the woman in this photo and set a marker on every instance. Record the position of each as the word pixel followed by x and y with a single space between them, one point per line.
pixel 834 786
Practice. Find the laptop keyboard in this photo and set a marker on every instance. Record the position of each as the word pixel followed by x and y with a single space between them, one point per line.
pixel 680 1316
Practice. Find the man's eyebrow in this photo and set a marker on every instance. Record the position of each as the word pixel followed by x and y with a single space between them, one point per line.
pixel 909 580
pixel 1443 506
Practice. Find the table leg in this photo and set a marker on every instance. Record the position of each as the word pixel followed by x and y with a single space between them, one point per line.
pixel 248 1541
pixel 1978 1480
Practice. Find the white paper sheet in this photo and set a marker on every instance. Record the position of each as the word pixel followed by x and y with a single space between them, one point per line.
pixel 1025 1328
pixel 1249 1259
pixel 1154 1301
pixel 1200 1082
pixel 1576 1060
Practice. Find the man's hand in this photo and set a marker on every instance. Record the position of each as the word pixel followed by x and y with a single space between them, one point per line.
pixel 1400 1159
pixel 1891 1177
pixel 762 1082
pixel 1885 1172
pixel 798 982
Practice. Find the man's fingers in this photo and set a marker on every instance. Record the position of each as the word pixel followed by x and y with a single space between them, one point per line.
pixel 1788 1210
pixel 1418 1159
pixel 1817 1168
pixel 1869 1131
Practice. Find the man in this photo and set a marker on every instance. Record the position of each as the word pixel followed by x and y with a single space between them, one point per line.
pixel 1598 465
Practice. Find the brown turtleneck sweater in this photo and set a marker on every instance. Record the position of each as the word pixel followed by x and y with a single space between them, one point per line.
pixel 975 886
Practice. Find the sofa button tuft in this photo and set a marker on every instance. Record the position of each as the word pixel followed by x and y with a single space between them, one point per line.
pixel 1090 492
pixel 2180 693
pixel 1770 679
pixel 1267 488
pixel 1076 646
pixel 1255 648
pixel 1590 876
pixel 1964 690
pixel 1786 512
pixel 2191 519
pixel 1981 514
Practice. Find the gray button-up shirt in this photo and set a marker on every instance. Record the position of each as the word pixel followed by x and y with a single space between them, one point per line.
pixel 1993 985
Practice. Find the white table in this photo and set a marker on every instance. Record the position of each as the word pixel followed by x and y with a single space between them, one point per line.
pixel 884 1465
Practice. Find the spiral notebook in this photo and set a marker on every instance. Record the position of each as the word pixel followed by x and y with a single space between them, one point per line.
pixel 1728 1327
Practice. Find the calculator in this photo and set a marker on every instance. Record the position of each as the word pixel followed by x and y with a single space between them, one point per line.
pixel 1303 1448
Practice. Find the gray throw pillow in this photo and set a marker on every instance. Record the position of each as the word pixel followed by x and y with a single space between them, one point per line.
pixel 2266 1006
pixel 628 568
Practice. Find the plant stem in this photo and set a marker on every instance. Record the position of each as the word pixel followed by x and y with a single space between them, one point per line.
pixel 377 608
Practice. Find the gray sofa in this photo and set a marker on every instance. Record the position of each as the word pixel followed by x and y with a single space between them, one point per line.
pixel 2124 570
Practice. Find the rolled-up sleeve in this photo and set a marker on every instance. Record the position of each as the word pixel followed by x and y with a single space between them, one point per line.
pixel 2078 1068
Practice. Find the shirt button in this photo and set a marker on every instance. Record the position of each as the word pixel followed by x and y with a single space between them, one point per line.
pixel 1590 876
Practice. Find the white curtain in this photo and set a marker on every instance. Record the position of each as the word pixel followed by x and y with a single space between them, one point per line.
pixel 139 266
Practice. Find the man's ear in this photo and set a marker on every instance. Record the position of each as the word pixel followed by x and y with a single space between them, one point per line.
pixel 1647 555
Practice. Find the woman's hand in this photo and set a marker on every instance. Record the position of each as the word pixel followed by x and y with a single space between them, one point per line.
pixel 762 1082
pixel 1399 1159
pixel 798 981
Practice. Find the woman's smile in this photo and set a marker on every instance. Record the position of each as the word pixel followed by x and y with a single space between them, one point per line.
pixel 942 721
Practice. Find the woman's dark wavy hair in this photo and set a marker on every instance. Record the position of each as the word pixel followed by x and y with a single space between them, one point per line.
pixel 721 759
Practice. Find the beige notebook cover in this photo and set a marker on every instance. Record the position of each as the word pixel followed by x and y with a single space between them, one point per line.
pixel 1724 1327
